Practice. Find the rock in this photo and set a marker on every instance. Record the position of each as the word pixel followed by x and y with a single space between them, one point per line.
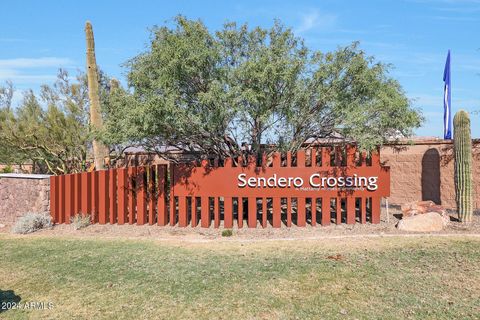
pixel 414 208
pixel 427 222
pixel 417 205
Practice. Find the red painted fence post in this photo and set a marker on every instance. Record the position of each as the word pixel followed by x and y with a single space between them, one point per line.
pixel 264 212
pixel 289 212
pixel 161 195
pixel 338 215
pixel 112 196
pixel 227 212
pixel 205 214
pixel 95 196
pixel 69 201
pixel 173 209
pixel 277 213
pixel 151 195
pixel 240 212
pixel 301 217
pixel 326 215
pixel 313 211
pixel 351 210
pixel 54 198
pixel 363 208
pixel 122 195
pixel 77 194
pixel 194 212
pixel 182 212
pixel 103 196
pixel 375 210
pixel 61 199
pixel 300 159
pixel 86 203
pixel 131 194
pixel 141 196
pixel 216 212
pixel 252 212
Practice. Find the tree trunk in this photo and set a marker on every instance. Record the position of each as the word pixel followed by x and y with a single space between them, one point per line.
pixel 100 151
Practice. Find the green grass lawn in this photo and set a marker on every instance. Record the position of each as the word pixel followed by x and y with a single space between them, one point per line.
pixel 381 278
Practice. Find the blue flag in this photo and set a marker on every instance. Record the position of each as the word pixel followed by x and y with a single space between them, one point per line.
pixel 447 101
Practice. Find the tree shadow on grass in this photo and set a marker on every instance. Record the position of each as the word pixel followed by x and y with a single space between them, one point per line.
pixel 6 297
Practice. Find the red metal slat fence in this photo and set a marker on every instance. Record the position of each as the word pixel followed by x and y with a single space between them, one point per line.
pixel 111 196
pixel 320 186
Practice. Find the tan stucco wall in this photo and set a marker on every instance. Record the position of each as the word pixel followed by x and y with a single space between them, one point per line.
pixel 425 171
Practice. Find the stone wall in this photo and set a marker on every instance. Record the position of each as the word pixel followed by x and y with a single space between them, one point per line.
pixel 22 193
pixel 424 170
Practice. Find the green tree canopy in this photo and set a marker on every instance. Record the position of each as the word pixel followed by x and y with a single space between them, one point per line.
pixel 51 129
pixel 210 92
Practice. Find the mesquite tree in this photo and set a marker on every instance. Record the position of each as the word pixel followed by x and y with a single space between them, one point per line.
pixel 51 129
pixel 210 93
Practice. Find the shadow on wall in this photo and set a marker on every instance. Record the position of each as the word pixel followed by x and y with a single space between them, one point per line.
pixel 8 297
pixel 431 176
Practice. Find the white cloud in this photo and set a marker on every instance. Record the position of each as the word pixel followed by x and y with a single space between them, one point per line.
pixel 43 62
pixel 22 78
pixel 450 18
pixel 315 20
pixel 427 100
pixel 31 72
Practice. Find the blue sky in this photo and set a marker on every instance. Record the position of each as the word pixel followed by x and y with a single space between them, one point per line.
pixel 38 37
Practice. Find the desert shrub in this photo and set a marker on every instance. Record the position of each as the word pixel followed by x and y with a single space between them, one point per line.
pixel 227 233
pixel 80 221
pixel 7 169
pixel 31 222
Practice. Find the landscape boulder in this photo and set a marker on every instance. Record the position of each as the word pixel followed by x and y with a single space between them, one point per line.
pixel 423 216
pixel 427 222
pixel 415 208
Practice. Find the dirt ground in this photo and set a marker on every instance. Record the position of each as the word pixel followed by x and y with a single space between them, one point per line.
pixel 197 234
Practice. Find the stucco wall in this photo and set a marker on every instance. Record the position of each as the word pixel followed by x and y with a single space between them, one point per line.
pixel 22 193
pixel 425 171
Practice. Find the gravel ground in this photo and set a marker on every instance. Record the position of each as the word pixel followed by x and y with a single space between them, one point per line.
pixel 386 227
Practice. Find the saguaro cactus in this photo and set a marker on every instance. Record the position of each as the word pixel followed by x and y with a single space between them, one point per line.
pixel 100 151
pixel 463 166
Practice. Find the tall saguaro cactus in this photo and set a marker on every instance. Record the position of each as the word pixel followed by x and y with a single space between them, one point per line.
pixel 100 151
pixel 463 166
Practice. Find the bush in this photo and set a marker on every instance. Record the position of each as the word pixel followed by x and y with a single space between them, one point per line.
pixel 227 233
pixel 7 169
pixel 32 222
pixel 80 221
